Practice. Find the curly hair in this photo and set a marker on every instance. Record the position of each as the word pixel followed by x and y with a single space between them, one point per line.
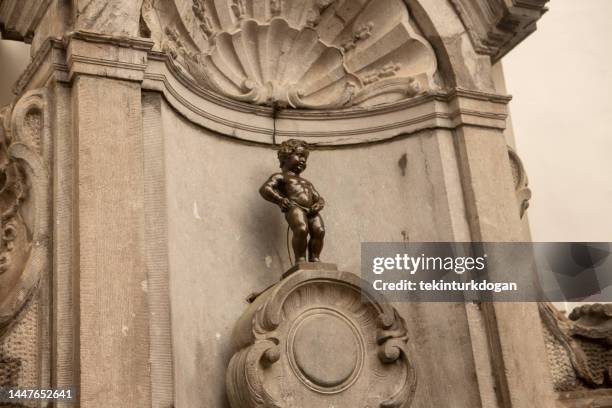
pixel 288 147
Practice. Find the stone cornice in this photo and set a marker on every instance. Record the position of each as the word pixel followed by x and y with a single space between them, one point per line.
pixel 80 53
pixel 435 109
pixel 141 44
pixel 497 26
pixel 120 57
pixel 84 53
pixel 49 62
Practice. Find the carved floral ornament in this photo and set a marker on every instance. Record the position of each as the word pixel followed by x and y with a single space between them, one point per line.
pixel 23 205
pixel 309 54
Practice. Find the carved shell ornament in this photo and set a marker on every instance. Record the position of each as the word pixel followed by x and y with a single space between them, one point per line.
pixel 308 54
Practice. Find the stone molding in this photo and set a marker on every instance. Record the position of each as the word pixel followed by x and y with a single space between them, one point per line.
pixel 47 64
pixel 120 58
pixel 497 26
pixel 318 339
pixel 19 18
pixel 435 109
pixel 86 53
pixel 586 399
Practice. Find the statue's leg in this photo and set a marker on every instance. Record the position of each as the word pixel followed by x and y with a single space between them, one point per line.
pixel 317 235
pixel 298 222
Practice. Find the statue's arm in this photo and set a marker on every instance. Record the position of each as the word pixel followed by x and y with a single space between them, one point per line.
pixel 270 189
pixel 317 199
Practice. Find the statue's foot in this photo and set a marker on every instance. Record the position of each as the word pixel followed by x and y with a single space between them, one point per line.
pixel 301 259
pixel 315 260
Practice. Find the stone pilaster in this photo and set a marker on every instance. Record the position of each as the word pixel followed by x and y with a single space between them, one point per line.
pixel 109 236
pixel 521 376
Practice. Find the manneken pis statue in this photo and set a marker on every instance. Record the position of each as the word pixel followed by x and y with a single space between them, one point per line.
pixel 298 199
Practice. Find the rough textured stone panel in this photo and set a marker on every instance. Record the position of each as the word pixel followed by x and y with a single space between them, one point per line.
pixel 114 332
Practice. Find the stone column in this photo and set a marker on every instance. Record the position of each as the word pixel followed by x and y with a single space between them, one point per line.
pixel 109 220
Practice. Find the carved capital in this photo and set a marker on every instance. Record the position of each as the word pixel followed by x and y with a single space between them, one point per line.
pixel 497 26
pixel 317 339
pixel 105 55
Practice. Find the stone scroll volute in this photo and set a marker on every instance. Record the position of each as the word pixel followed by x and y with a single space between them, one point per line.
pixel 24 194
pixel 521 182
pixel 313 340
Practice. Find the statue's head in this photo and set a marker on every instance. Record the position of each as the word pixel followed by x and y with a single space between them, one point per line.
pixel 293 155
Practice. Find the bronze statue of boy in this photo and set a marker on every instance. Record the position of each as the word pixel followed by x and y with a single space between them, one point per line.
pixel 298 199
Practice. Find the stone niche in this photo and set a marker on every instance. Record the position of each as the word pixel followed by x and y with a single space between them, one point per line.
pixel 225 242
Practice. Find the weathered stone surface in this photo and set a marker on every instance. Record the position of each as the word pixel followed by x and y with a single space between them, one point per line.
pixel 586 399
pixel 24 244
pixel 113 316
pixel 123 58
pixel 579 348
pixel 497 26
pixel 65 347
pixel 116 17
pixel 19 19
pixel 522 378
pixel 459 63
pixel 23 256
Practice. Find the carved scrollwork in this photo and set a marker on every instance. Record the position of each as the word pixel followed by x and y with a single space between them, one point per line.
pixel 317 339
pixel 23 205
pixel 313 54
pixel 521 182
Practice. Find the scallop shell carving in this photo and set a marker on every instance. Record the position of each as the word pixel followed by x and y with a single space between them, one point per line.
pixel 309 54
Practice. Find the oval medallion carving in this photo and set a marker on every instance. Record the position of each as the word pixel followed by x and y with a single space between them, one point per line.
pixel 328 361
pixel 317 339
